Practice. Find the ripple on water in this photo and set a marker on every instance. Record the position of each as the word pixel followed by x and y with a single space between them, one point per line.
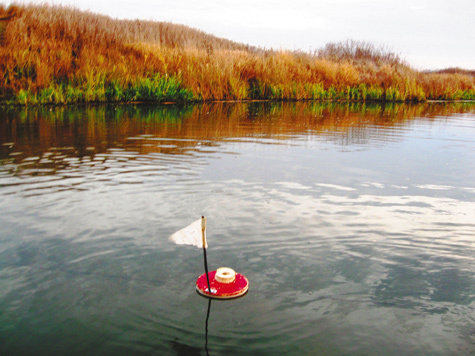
pixel 342 258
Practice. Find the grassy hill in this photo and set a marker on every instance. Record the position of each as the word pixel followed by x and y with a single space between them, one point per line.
pixel 54 54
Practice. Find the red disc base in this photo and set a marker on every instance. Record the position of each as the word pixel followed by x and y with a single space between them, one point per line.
pixel 220 290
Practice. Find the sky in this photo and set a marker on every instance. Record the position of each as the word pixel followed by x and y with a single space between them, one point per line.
pixel 427 34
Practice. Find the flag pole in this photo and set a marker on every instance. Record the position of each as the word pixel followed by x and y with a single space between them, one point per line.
pixel 205 246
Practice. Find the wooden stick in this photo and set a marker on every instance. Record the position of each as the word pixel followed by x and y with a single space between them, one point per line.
pixel 205 246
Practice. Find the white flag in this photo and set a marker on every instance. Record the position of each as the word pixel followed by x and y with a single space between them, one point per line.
pixel 194 234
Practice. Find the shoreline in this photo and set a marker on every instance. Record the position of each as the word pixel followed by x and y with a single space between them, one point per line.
pixel 4 104
pixel 53 55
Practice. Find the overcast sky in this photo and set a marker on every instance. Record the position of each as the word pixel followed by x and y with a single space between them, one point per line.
pixel 428 34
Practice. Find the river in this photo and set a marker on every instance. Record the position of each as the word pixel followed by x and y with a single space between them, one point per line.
pixel 354 224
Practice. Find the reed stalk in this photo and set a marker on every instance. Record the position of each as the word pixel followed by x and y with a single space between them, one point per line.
pixel 60 55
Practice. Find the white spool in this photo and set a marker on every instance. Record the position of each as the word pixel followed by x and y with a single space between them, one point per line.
pixel 225 275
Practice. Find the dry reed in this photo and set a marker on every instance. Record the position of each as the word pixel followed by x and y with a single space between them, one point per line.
pixel 54 54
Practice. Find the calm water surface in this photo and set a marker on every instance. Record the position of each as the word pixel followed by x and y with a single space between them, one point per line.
pixel 355 225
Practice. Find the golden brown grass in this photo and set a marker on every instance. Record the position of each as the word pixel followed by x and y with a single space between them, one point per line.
pixel 64 55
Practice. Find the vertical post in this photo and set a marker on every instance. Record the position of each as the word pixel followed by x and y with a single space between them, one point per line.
pixel 205 246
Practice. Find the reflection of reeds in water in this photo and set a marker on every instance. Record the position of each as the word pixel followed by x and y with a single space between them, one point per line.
pixel 62 55
pixel 182 130
pixel 66 140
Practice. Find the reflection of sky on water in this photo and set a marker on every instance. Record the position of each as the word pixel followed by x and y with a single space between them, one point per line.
pixel 365 239
pixel 399 266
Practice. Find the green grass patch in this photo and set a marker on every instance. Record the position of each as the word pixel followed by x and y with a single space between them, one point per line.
pixel 153 89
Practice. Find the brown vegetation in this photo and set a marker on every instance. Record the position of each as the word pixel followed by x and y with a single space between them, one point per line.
pixel 64 55
pixel 454 71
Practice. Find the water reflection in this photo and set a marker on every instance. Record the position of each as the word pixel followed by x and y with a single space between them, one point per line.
pixel 44 141
pixel 354 223
pixel 129 144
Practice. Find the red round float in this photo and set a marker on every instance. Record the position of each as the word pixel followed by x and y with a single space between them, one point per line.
pixel 224 284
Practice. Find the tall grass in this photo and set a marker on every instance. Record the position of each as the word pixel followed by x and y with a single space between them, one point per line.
pixel 53 54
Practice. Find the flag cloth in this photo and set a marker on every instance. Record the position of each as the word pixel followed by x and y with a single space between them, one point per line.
pixel 190 235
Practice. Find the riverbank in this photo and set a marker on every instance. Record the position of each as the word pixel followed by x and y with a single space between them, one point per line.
pixel 60 55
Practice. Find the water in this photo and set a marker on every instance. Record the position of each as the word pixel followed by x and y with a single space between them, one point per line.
pixel 354 224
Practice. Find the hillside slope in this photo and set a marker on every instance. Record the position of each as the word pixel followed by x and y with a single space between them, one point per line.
pixel 52 54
